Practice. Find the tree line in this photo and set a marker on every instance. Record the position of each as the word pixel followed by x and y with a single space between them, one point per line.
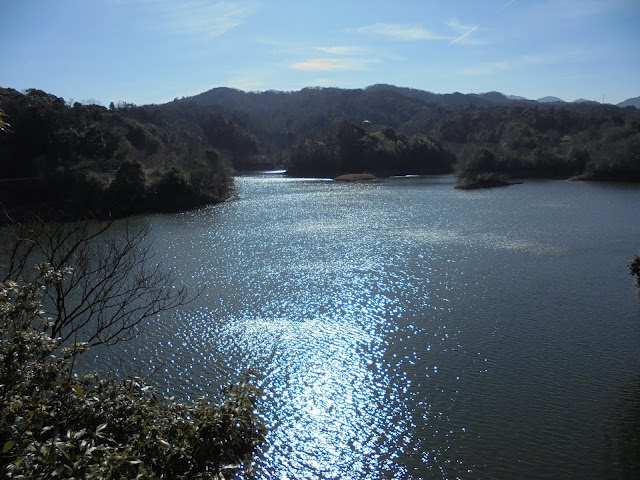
pixel 69 287
pixel 555 142
pixel 348 148
pixel 126 159
pixel 490 132
pixel 70 161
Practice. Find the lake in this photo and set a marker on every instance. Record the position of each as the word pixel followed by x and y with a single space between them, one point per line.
pixel 405 329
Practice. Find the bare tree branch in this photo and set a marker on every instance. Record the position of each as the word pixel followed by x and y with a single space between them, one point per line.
pixel 114 283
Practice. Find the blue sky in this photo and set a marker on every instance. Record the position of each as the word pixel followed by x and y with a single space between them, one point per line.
pixel 151 51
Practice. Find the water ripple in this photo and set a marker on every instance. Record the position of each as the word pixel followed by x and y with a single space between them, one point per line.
pixel 403 329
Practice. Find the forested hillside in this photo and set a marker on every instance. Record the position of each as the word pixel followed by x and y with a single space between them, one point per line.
pixel 522 137
pixel 348 148
pixel 91 160
pixel 74 161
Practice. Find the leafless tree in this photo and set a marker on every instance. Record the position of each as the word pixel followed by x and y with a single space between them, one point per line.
pixel 112 282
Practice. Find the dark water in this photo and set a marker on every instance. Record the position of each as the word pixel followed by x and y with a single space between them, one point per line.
pixel 409 330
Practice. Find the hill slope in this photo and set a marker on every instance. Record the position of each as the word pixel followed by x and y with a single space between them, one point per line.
pixel 630 102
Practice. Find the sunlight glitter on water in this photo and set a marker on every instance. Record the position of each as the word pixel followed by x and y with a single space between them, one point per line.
pixel 324 323
pixel 322 387
pixel 404 329
pixel 327 393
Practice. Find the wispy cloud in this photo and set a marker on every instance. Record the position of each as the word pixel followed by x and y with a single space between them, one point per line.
pixel 201 18
pixel 455 25
pixel 400 32
pixel 340 50
pixel 331 64
pixel 560 55
pixel 464 38
pixel 505 6
pixel 487 68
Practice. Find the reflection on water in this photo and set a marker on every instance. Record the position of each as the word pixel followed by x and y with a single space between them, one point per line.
pixel 405 329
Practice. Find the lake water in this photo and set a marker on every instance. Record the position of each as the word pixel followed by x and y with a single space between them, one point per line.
pixel 405 329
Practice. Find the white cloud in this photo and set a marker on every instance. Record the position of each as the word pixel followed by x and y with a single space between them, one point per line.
pixel 401 32
pixel 331 64
pixel 201 18
pixel 455 25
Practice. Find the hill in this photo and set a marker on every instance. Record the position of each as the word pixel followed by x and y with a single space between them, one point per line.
pixel 516 97
pixel 347 148
pixel 630 102
pixel 63 161
pixel 525 134
pixel 280 119
pixel 550 100
pixel 584 100
pixel 173 155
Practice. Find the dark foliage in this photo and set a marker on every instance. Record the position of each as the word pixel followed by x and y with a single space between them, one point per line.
pixel 481 160
pixel 527 138
pixel 67 288
pixel 634 268
pixel 480 180
pixel 242 148
pixel 127 188
pixel 551 143
pixel 54 149
pixel 348 148
pixel 56 424
pixel 66 161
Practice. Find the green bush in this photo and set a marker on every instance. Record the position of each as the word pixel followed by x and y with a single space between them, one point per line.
pixel 173 192
pixel 57 424
pixel 211 178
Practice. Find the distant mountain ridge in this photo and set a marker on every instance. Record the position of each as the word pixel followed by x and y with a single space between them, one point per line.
pixel 252 130
pixel 280 120
pixel 630 102
pixel 273 98
pixel 516 97
pixel 550 100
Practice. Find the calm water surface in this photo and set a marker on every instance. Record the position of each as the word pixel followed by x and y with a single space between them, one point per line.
pixel 408 330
